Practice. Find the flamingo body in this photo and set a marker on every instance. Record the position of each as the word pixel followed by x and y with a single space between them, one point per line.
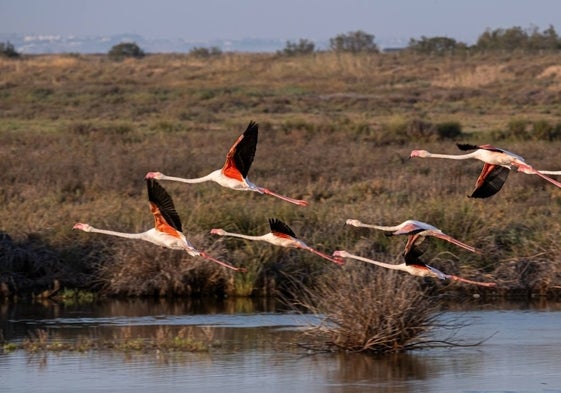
pixel 416 231
pixel 281 235
pixel 233 173
pixel 167 231
pixel 415 268
pixel 497 165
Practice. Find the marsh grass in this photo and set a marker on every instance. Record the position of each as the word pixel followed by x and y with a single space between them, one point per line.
pixel 78 134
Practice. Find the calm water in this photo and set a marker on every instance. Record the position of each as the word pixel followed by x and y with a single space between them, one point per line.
pixel 258 352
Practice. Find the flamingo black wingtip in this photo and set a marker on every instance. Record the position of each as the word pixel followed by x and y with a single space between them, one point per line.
pixel 280 227
pixel 466 146
pixel 252 127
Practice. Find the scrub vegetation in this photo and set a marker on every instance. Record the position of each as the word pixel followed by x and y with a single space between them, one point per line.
pixel 78 134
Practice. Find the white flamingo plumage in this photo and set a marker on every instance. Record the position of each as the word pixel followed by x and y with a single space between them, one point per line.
pixel 415 231
pixel 167 231
pixel 233 173
pixel 280 235
pixel 416 268
pixel 497 165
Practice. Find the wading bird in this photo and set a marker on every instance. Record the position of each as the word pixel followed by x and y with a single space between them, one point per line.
pixel 280 235
pixel 234 172
pixel 167 230
pixel 498 163
pixel 415 231
pixel 414 267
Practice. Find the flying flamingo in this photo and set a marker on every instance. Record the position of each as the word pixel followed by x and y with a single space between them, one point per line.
pixel 498 163
pixel 167 230
pixel 415 231
pixel 280 235
pixel 234 172
pixel 414 267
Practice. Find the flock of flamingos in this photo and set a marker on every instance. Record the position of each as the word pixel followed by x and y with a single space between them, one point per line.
pixel 168 232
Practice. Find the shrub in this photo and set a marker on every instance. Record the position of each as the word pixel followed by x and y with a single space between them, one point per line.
pixel 8 50
pixel 394 312
pixel 449 130
pixel 354 42
pixel 124 50
pixel 205 52
pixel 302 47
pixel 435 45
pixel 516 38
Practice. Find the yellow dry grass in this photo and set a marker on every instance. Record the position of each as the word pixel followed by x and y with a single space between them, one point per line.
pixel 478 76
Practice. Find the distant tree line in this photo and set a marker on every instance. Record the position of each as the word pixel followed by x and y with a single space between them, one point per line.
pixel 511 39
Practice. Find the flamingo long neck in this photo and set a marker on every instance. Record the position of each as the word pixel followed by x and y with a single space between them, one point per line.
pixel 210 177
pixel 473 154
pixel 378 263
pixel 380 227
pixel 247 237
pixel 119 234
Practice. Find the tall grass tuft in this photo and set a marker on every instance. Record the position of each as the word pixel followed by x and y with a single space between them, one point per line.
pixel 368 310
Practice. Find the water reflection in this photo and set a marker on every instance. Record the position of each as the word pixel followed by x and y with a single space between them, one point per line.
pixel 256 350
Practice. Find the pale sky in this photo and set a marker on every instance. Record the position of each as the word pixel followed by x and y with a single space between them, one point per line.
pixel 463 20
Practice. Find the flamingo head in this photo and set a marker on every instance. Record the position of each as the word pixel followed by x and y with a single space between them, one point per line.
pixel 218 231
pixel 419 153
pixel 354 223
pixel 154 175
pixel 82 227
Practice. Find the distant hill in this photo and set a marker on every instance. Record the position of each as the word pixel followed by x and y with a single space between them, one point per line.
pixel 38 44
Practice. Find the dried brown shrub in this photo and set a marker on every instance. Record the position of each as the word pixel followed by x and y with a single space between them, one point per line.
pixel 370 310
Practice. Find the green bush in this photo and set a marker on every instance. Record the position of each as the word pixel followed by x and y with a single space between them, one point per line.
pixel 8 50
pixel 302 47
pixel 516 38
pixel 354 42
pixel 435 45
pixel 205 52
pixel 518 129
pixel 124 50
pixel 449 130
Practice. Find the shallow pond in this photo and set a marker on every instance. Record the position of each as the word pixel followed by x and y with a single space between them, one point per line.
pixel 258 351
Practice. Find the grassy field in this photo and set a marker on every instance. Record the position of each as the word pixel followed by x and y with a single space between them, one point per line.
pixel 78 134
